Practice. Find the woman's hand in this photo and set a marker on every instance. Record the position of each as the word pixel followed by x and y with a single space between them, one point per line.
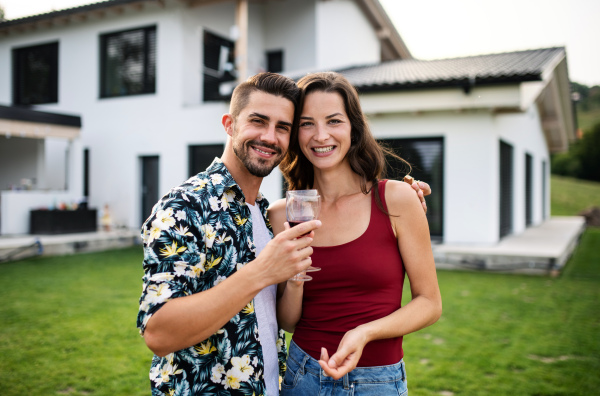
pixel 347 355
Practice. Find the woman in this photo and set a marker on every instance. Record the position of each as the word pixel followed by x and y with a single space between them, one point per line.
pixel 373 233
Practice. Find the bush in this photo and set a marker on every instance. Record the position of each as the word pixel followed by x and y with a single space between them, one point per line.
pixel 582 161
pixel 589 154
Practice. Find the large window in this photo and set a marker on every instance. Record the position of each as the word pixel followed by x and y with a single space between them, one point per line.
pixel 128 62
pixel 35 74
pixel 219 67
pixel 426 157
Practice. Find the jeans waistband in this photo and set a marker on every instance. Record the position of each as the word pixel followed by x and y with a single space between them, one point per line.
pixel 392 372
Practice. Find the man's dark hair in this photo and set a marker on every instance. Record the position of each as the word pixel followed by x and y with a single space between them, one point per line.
pixel 271 83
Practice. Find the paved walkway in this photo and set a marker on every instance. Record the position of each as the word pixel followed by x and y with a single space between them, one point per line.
pixel 21 246
pixel 541 249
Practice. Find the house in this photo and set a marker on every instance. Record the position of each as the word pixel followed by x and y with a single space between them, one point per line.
pixel 150 79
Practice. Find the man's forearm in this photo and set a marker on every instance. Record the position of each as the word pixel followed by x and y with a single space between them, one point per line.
pixel 186 321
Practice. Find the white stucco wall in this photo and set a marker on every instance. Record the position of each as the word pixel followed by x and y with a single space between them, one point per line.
pixel 524 133
pixel 471 156
pixel 344 36
pixel 291 25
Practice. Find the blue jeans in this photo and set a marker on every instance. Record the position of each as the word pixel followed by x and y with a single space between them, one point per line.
pixel 304 377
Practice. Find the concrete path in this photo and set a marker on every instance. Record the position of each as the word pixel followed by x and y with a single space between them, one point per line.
pixel 540 249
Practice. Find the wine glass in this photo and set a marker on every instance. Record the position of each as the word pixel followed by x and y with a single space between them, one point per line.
pixel 301 206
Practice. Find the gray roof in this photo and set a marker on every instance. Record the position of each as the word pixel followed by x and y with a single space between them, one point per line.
pixel 510 67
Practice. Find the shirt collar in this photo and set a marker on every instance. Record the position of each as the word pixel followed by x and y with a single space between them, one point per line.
pixel 228 183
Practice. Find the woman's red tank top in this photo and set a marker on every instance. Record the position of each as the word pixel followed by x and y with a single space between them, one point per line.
pixel 360 281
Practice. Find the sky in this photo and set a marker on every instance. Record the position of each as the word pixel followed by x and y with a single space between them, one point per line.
pixel 435 29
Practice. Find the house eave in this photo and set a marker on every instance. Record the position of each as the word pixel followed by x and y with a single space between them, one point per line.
pixel 392 45
pixel 72 15
pixel 27 123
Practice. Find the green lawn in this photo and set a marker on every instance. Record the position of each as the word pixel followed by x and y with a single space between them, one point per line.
pixel 570 196
pixel 67 325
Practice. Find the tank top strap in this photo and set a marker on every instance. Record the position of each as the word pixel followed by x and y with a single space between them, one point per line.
pixel 381 191
pixel 381 218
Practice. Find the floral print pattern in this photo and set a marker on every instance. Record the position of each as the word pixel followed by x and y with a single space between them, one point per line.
pixel 199 234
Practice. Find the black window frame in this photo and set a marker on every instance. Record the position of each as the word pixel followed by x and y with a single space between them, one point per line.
pixel 148 84
pixel 213 74
pixel 22 77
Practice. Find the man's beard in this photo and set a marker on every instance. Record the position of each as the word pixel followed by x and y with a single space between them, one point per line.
pixel 259 167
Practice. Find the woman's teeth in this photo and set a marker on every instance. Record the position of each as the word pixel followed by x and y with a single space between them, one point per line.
pixel 323 149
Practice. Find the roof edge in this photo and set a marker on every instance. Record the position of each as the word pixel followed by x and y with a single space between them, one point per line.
pixel 393 47
pixel 27 114
pixel 66 12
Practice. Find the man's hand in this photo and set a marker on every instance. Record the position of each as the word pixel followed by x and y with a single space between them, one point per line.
pixel 422 189
pixel 288 253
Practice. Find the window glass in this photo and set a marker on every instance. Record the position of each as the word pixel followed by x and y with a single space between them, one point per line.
pixel 35 74
pixel 426 156
pixel 219 67
pixel 128 62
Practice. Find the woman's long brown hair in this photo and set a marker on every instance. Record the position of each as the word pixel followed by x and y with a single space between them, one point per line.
pixel 366 156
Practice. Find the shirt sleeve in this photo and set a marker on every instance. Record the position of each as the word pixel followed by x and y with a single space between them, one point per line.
pixel 174 257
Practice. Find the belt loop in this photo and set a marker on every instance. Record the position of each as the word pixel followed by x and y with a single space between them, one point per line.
pixel 346 382
pixel 403 370
pixel 304 360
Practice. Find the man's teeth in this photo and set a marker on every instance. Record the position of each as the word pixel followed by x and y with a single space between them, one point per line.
pixel 261 151
pixel 323 149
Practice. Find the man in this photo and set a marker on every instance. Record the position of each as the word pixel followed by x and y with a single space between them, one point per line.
pixel 198 311
pixel 207 309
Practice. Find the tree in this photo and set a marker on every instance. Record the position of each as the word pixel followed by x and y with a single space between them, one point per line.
pixel 1 13
pixel 582 161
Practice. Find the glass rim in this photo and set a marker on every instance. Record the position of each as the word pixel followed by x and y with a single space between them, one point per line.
pixel 311 192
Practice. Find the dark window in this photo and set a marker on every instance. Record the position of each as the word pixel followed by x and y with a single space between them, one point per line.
pixel 275 61
pixel 201 156
pixel 544 190
pixel 128 62
pixel 219 67
pixel 426 157
pixel 86 172
pixel 506 188
pixel 528 189
pixel 149 185
pixel 35 74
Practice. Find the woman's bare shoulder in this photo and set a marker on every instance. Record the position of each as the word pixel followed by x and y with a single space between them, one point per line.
pixel 277 205
pixel 401 196
pixel 277 215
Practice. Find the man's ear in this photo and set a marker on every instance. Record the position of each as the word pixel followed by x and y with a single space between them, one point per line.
pixel 227 122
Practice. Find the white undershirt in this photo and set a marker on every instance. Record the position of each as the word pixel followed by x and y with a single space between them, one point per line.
pixel 264 306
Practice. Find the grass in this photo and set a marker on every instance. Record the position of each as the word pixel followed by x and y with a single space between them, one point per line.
pixel 570 196
pixel 67 325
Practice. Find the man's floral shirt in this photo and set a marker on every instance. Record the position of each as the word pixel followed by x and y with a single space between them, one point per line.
pixel 199 234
